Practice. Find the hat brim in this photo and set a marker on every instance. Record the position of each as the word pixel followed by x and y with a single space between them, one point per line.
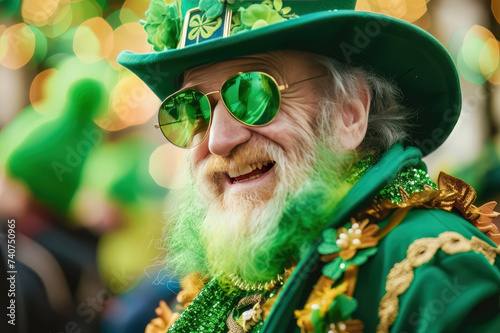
pixel 405 54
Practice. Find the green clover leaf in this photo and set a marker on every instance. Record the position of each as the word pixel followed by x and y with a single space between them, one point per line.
pixel 341 308
pixel 318 321
pixel 278 4
pixel 258 13
pixel 329 244
pixel 335 269
pixel 172 25
pixel 154 36
pixel 212 8
pixel 345 305
pixel 203 26
pixel 163 24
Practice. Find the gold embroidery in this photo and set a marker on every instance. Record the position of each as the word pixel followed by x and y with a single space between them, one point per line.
pixel 191 287
pixel 452 193
pixel 267 306
pixel 404 195
pixel 359 236
pixel 420 252
pixel 480 217
pixel 250 317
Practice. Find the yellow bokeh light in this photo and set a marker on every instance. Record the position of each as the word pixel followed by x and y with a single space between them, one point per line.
pixel 3 43
pixel 488 58
pixel 408 10
pixel 93 40
pixel 130 36
pixel 471 49
pixel 59 23
pixel 132 101
pixel 139 7
pixel 39 89
pixel 84 10
pixel 86 45
pixel 495 8
pixel 19 41
pixel 495 76
pixel 40 12
pixel 127 16
pixel 481 32
pixel 166 164
pixel 110 122
pixel 481 51
pixel 479 56
pixel 363 5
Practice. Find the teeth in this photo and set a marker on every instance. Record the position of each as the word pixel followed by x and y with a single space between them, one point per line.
pixel 247 169
pixel 233 174
pixel 249 178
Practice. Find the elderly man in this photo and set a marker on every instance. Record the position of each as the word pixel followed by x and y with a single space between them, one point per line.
pixel 307 206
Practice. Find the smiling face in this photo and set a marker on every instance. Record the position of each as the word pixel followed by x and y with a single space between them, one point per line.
pixel 238 162
pixel 258 195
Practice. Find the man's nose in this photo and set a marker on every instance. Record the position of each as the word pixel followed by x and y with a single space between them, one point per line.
pixel 226 132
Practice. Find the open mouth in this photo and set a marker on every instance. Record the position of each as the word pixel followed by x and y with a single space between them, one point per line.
pixel 249 172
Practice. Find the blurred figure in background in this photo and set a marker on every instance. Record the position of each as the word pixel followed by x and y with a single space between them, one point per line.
pixel 118 199
pixel 56 261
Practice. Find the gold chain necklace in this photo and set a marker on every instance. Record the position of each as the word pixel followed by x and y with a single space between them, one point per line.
pixel 256 286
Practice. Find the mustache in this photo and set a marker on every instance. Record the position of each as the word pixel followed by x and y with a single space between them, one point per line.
pixel 240 157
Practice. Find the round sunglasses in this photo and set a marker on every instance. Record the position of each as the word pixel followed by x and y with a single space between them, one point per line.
pixel 252 98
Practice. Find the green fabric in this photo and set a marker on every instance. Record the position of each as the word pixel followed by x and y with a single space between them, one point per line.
pixel 50 159
pixel 399 51
pixel 391 250
pixel 443 291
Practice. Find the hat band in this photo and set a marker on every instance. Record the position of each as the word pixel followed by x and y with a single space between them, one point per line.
pixel 197 27
pixel 203 24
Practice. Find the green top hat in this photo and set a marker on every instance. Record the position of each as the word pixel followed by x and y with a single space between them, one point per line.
pixel 216 30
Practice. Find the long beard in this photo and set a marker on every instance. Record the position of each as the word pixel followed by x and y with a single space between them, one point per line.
pixel 255 235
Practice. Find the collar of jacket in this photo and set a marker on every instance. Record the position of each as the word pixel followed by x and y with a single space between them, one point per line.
pixel 307 272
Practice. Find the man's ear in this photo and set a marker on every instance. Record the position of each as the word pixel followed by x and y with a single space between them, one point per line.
pixel 353 121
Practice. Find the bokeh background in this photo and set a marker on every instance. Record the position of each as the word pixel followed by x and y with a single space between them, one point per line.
pixel 93 262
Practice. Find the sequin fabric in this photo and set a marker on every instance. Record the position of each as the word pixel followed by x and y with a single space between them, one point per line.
pixel 208 312
pixel 411 180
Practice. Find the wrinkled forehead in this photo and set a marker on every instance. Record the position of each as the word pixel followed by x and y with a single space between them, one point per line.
pixel 282 65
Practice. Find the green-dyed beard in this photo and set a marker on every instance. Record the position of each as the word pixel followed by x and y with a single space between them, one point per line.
pixel 256 244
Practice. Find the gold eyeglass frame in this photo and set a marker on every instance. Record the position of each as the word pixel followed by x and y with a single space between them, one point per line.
pixel 281 88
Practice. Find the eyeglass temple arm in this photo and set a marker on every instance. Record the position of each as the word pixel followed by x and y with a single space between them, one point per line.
pixel 173 122
pixel 287 85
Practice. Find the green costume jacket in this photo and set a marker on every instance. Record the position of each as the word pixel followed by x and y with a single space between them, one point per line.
pixel 434 272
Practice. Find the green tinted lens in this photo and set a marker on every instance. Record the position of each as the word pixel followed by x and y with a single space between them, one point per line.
pixel 184 118
pixel 253 98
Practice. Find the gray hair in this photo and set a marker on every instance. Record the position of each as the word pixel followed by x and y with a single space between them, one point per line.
pixel 388 121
